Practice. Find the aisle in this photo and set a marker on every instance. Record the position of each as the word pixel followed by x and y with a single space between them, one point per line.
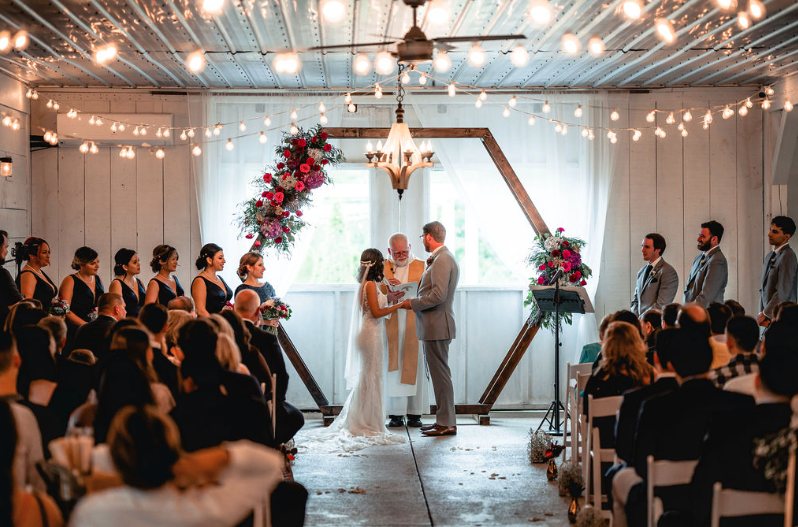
pixel 479 477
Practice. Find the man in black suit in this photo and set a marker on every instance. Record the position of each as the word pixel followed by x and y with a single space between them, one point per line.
pixel 727 454
pixel 289 418
pixel 91 336
pixel 672 426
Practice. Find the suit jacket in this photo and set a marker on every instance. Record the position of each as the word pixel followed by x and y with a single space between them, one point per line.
pixel 269 348
pixel 707 281
pixel 626 424
pixel 779 280
pixel 91 336
pixel 656 290
pixel 726 456
pixel 433 306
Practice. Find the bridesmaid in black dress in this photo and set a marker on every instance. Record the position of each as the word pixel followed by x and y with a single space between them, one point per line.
pixel 209 290
pixel 9 294
pixel 164 286
pixel 81 290
pixel 32 281
pixel 250 270
pixel 127 266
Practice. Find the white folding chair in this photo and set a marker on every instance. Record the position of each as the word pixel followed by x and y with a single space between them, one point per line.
pixel 581 421
pixel 594 453
pixel 573 407
pixel 729 502
pixel 664 473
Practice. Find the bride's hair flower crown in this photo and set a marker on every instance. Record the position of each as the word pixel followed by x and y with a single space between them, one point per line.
pixel 366 263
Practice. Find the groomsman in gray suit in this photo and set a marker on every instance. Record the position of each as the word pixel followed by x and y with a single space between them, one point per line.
pixel 780 272
pixel 435 324
pixel 710 272
pixel 657 282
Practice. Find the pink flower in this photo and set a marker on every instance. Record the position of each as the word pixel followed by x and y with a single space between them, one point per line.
pixel 304 168
pixel 551 264
pixel 542 267
pixel 560 229
pixel 257 244
pixel 566 253
pixel 541 280
pixel 566 266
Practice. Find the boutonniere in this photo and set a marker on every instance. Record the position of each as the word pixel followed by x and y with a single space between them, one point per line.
pixel 652 274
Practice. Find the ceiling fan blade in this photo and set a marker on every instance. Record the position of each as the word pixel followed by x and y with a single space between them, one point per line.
pixel 355 45
pixel 479 38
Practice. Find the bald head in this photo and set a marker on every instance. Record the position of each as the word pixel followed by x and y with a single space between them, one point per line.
pixel 695 312
pixel 246 304
pixel 399 249
pixel 695 319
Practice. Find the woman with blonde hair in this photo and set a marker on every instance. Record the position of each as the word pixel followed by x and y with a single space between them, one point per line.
pixel 227 351
pixel 250 270
pixel 177 318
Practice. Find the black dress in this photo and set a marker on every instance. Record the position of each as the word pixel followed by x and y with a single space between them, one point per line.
pixel 165 293
pixel 265 292
pixel 215 296
pixel 83 303
pixel 132 303
pixel 45 290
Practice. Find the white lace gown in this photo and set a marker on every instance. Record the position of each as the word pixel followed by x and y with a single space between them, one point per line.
pixel 361 422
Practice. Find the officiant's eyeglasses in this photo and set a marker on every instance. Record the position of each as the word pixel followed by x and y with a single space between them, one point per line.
pixel 401 253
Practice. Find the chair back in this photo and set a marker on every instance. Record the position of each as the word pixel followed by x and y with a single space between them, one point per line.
pixel 573 408
pixel 729 502
pixel 665 473
pixel 602 407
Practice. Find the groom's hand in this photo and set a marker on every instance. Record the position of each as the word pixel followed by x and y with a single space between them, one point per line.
pixel 393 296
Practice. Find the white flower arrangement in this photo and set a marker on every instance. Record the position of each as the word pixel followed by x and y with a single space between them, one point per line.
pixel 552 243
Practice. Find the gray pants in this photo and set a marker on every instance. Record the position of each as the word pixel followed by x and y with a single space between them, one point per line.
pixel 437 354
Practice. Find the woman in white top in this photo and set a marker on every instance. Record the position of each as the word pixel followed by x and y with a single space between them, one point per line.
pixel 218 486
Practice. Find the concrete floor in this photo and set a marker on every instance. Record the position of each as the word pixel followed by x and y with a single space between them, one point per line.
pixel 481 476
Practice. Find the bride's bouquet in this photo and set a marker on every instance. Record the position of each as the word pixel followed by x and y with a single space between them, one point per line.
pixel 274 309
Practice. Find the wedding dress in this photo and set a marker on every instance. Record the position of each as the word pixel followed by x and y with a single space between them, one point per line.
pixel 361 422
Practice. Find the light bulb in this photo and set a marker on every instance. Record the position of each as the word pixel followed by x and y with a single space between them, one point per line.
pixel 743 110
pixel 442 62
pixel 351 108
pixel 788 106
pixel 384 63
pixel 584 131
pixel 377 92
pixel 743 20
pixel 680 127
pixel 578 111
pixel 540 12
pixel 49 103
pixel 98 121
pixel 422 79
pixel 558 128
pixel 262 138
pixel 756 9
pixel 519 56
pixel 379 146
pixel 322 119
pixel 483 96
pixel 684 133
pixel 769 90
pixel 369 147
pixel 637 135
pixel 291 63
pixel 478 103
pixel 437 13
pixel 143 130
pixel 590 135
pixel 29 93
pixel 21 40
pixel 5 44
pixel 687 117
pixel 632 9
pixel 196 151
pixel 546 107
pixel 189 132
pixel 160 153
pixel 84 147
pixel 113 129
pixel 727 112
pixel 92 120
pixel 665 30
pixel 476 57
pixel 766 104
pixel 348 98
pixel 726 4
pixel 513 101
pixel 531 120
pixel 362 64
pixel 229 146
pixel 708 116
pixel 564 129
pixel 749 103
pixel 333 10
pixel 571 44
pixel 212 7
pixel 93 148
pixel 651 116
pixel 136 132
pixel 596 46
pixel 615 115
pixel 506 112
pixel 196 61
pixel 183 135
pixel 208 132
pixel 294 130
pixel 131 154
pixel 158 134
pixel 609 133
pixel 122 153
pixel 121 127
pixel 268 120
pixel 451 89
pixel 6 121
pixel 405 78
pixel 243 127
pixel 613 139
pixel 670 119
pixel 15 125
pixel 217 130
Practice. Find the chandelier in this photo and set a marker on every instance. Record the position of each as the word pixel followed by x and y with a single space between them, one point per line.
pixel 399 156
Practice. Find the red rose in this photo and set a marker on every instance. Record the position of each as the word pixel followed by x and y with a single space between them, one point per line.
pixel 259 203
pixel 280 166
pixel 566 266
pixel 577 275
pixel 280 189
pixel 302 142
pixel 299 213
pixel 263 195
pixel 555 253
pixel 304 168
pixel 316 168
pixel 310 161
pixel 551 264
pixel 314 139
pixel 566 253
pixel 278 197
pixel 541 280
pixel 327 148
pixel 324 161
pixel 560 229
pixel 267 177
pixel 274 204
pixel 269 195
pixel 286 153
pixel 324 136
pixel 286 214
pixel 583 282
pixel 299 187
pixel 250 236
pixel 257 244
pixel 566 243
pixel 573 278
pixel 279 239
pixel 286 230
pixel 293 141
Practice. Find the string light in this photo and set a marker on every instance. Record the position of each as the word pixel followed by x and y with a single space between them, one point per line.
pixel 743 111
pixel 189 132
pixel 531 120
pixel 478 103
pixel 322 119
pixel 632 9
pixel 665 30
pixel 131 154
pixel 105 53
pixel 540 12
pixel 546 107
pixel 743 21
pixel 352 108
pixel 756 9
pixel 5 43
pixel 564 129
pixel 726 4
pixel 727 112
pixel 99 121
pixel 229 146
pixel 584 131
pixel 438 14
pixel 476 57
pixel 513 101
pixel 362 64
pixel 212 7
pixel 92 120
pixel 262 138
pixel 590 135
pixel 208 132
pixel 196 151
pixel 49 104
pixel 442 62
pixel 21 40
pixel 506 112
pixel 637 135
pixel 483 96
pixel 680 127
pixel 217 130
pixel 687 117
pixel 769 91
pixel 749 103
pixel 684 133
pixel 377 93
pixel 596 46
pixel 652 116
pixel 196 61
pixel 384 63
pixel 183 134
pixel 422 79
pixel 72 113
pixel 294 130
pixel 243 127
pixel 113 130
pixel 519 56
pixel 160 154
pixel 571 44
pixel 287 63
pixel 348 98
pixel 766 104
pixel 670 119
pixel 333 10
pixel 6 121
pixel 268 120
pixel 451 89
pixel 158 134
pixel 558 128
pixel 15 125
pixel 708 117
pixel 788 106
pixel 615 115
pixel 84 147
pixel 405 78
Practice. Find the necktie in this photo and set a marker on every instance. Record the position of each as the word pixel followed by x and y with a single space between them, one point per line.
pixel 649 267
pixel 771 259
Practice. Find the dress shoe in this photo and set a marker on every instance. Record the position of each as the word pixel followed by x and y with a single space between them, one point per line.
pixel 414 421
pixel 426 428
pixel 441 431
pixel 397 421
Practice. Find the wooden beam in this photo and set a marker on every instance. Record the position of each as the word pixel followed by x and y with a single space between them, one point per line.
pixel 301 368
pixel 510 362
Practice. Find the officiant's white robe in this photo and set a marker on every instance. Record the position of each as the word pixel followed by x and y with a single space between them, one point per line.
pixel 404 393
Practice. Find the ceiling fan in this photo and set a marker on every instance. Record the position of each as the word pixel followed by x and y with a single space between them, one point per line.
pixel 415 47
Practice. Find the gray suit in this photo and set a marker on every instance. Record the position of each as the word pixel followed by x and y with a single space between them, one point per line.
pixel 779 280
pixel 707 280
pixel 435 328
pixel 655 290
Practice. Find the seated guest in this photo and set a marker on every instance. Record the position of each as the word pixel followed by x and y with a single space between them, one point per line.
pixel 650 324
pixel 736 307
pixel 250 357
pixel 670 314
pixel 206 416
pixel 623 315
pixel 18 507
pixel 176 320
pixel 779 309
pixel 695 319
pixel 742 336
pixel 57 327
pixel 91 336
pixel 164 486
pixel 789 314
pixel 182 303
pixel 727 453
pixel 590 351
pixel 23 314
pixel 134 343
pixel 154 317
pixel 226 348
pixel 289 418
pixel 29 447
pixel 780 338
pixel 719 315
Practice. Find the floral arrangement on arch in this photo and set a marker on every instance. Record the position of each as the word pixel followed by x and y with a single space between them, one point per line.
pixel 551 253
pixel 274 217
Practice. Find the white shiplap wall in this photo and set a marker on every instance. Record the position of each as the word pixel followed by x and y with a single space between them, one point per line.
pixel 14 191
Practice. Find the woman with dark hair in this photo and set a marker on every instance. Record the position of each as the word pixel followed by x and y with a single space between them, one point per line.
pixel 250 356
pixel 19 508
pixel 250 270
pixel 9 294
pixel 126 266
pixel 134 343
pixel 81 291
pixel 32 281
pixel 164 286
pixel 209 290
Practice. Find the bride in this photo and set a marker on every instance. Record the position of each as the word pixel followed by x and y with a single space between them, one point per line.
pixel 361 422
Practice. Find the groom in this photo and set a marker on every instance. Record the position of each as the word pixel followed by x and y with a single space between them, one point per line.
pixel 435 324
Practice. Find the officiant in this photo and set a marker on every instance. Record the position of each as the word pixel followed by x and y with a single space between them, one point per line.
pixel 405 381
